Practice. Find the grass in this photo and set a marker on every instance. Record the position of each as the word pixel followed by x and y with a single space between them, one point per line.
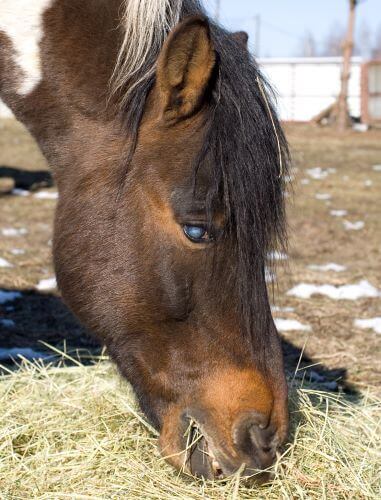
pixel 75 432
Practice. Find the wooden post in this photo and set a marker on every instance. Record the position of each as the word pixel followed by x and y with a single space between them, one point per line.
pixel 343 118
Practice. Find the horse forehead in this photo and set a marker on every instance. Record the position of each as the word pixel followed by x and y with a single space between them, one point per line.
pixel 22 23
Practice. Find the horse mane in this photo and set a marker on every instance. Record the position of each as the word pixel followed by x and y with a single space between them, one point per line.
pixel 244 143
pixel 146 24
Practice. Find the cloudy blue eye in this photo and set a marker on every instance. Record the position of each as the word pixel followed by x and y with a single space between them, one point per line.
pixel 198 234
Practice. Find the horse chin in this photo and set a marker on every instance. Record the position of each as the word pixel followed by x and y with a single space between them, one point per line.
pixel 204 461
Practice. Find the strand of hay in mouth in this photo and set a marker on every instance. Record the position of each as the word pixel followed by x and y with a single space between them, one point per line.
pixel 75 432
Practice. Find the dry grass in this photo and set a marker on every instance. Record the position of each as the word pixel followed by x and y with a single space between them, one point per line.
pixel 75 432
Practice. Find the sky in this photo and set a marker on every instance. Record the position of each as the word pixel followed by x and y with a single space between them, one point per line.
pixel 284 22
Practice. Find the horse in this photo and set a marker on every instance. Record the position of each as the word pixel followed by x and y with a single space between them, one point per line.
pixel 170 162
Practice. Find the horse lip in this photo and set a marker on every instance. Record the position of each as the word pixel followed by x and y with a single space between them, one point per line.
pixel 216 457
pixel 211 453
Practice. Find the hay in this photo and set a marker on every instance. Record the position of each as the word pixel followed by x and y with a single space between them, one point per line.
pixel 75 432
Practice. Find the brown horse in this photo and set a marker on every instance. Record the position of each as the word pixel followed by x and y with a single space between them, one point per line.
pixel 167 155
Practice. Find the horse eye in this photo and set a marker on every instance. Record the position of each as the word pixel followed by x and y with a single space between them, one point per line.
pixel 197 234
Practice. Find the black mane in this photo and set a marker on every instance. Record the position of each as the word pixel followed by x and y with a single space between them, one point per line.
pixel 243 148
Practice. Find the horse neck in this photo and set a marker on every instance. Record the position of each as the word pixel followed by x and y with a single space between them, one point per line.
pixel 75 50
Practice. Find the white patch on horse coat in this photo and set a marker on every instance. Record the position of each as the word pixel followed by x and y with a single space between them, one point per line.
pixel 21 21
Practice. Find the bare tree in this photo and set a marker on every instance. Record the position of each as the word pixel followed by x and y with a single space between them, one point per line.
pixel 218 10
pixel 342 103
pixel 307 46
pixel 363 45
pixel 376 49
pixel 333 43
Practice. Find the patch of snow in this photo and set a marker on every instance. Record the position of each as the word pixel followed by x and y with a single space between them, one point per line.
pixel 360 127
pixel 47 284
pixel 344 292
pixel 17 251
pixel 20 192
pixel 377 168
pixel 15 352
pixel 7 323
pixel 371 323
pixel 336 268
pixel 46 195
pixel 353 226
pixel 270 277
pixel 9 296
pixel 338 213
pixel 5 263
pixel 277 256
pixel 282 309
pixel 305 181
pixel 12 231
pixel 286 325
pixel 368 183
pixel 317 173
pixel 323 196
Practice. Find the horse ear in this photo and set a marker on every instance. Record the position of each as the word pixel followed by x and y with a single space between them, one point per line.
pixel 185 67
pixel 241 37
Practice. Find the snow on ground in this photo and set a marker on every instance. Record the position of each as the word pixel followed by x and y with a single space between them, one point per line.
pixel 47 284
pixel 368 183
pixel 15 352
pixel 353 226
pixel 371 323
pixel 323 196
pixel 282 309
pixel 305 181
pixel 17 251
pixel 5 263
pixel 7 323
pixel 277 256
pixel 270 276
pixel 286 325
pixel 344 292
pixel 319 173
pixel 6 296
pixel 377 168
pixel 336 268
pixel 338 213
pixel 46 195
pixel 20 192
pixel 12 231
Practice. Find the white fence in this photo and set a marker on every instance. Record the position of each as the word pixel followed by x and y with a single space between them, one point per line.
pixel 306 86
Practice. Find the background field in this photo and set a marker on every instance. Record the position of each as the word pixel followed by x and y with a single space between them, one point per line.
pixel 346 181
pixel 74 432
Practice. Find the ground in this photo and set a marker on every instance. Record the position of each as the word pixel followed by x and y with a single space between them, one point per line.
pixel 343 178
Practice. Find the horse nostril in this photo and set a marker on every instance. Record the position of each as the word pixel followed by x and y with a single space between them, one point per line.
pixel 255 438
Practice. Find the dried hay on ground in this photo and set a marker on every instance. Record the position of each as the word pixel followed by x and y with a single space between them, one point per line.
pixel 75 432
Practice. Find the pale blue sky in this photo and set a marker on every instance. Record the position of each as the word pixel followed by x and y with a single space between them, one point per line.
pixel 284 22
